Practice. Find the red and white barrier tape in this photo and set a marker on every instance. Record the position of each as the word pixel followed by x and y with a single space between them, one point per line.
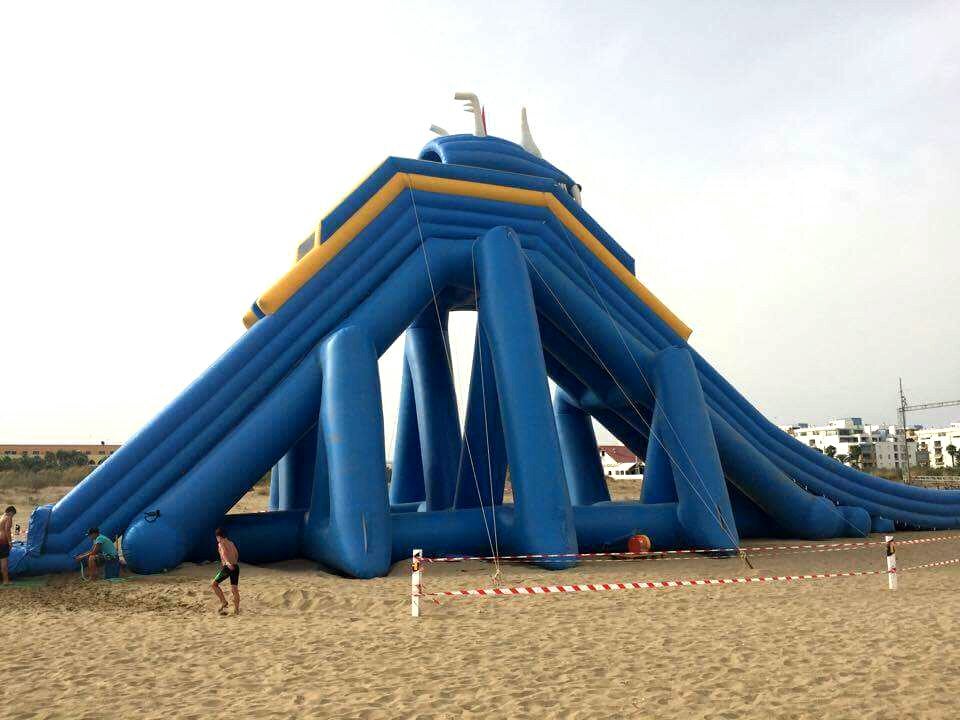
pixel 891 572
pixel 930 565
pixel 644 585
pixel 661 584
pixel 918 541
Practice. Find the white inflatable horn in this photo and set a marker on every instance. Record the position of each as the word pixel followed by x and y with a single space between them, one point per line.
pixel 526 138
pixel 472 105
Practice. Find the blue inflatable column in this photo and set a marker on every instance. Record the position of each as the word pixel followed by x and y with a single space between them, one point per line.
pixel 483 461
pixel 658 482
pixel 581 458
pixel 348 526
pixel 436 402
pixel 295 473
pixel 543 515
pixel 274 503
pixel 406 484
pixel 687 435
pixel 286 479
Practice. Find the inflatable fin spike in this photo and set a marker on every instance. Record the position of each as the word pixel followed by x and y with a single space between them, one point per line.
pixel 526 137
pixel 472 105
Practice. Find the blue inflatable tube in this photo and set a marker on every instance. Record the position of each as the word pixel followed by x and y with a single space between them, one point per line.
pixel 274 501
pixel 658 480
pixel 601 527
pixel 406 485
pixel 544 520
pixel 260 537
pixel 608 526
pixel 426 353
pixel 295 473
pixel 454 532
pixel 578 445
pixel 162 538
pixel 632 437
pixel 687 437
pixel 351 532
pixel 797 512
pixel 837 488
pixel 483 460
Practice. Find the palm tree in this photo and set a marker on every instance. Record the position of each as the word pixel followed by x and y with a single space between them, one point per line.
pixel 855 453
pixel 842 459
pixel 953 452
pixel 830 451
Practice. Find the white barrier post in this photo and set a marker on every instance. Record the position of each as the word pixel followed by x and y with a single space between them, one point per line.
pixel 891 563
pixel 415 582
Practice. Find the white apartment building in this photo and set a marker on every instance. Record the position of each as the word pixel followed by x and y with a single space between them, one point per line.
pixel 620 462
pixel 842 434
pixel 936 441
pixel 879 445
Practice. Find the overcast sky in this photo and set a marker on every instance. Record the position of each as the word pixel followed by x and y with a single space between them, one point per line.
pixel 786 175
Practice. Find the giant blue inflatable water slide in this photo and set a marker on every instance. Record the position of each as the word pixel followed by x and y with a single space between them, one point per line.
pixel 476 223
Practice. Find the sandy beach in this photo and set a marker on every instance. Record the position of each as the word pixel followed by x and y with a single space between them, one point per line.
pixel 310 644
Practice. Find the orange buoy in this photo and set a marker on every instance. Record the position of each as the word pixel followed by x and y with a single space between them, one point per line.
pixel 638 544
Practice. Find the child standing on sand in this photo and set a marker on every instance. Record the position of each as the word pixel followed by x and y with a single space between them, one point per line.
pixel 229 557
pixel 6 541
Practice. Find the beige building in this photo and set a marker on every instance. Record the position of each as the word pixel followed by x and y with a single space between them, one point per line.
pixel 94 453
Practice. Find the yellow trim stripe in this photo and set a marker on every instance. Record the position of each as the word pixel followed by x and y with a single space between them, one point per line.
pixel 311 263
pixel 616 267
pixel 484 191
pixel 320 255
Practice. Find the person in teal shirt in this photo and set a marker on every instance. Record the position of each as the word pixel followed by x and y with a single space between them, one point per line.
pixel 102 552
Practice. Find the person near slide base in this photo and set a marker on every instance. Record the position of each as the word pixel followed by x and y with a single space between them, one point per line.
pixel 230 568
pixel 102 552
pixel 6 541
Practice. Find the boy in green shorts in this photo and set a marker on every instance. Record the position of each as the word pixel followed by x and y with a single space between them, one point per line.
pixel 230 568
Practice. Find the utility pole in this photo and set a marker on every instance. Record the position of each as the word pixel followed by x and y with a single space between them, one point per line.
pixel 904 477
pixel 902 431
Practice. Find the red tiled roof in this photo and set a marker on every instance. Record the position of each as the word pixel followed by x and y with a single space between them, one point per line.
pixel 619 453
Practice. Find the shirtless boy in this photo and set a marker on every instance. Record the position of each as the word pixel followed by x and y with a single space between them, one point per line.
pixel 229 557
pixel 6 541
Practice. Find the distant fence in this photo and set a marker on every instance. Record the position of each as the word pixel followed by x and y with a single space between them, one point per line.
pixel 942 482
